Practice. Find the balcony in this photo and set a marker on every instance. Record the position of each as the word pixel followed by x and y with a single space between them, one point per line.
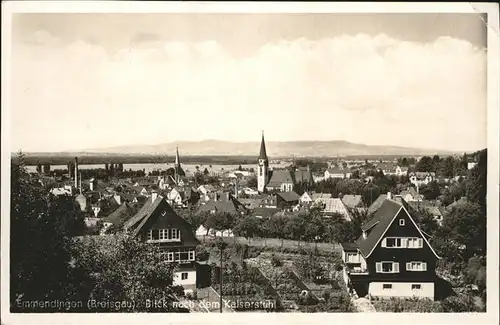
pixel 356 270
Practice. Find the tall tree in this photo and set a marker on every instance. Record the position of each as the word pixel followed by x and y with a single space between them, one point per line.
pixel 425 164
pixel 40 241
pixel 476 187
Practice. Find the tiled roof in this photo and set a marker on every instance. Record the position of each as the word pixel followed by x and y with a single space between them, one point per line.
pixel 121 215
pixel 279 177
pixel 334 205
pixel 289 196
pixel 316 196
pixel 148 208
pixel 250 203
pixel 380 222
pixel 263 153
pixel 335 170
pixel 352 201
pixel 376 204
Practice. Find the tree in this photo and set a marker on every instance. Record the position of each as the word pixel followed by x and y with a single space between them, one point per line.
pixel 121 268
pixel 39 168
pixel 370 194
pixel 205 172
pixel 240 168
pixel 219 221
pixel 404 162
pixel 248 227
pixel 430 191
pixel 46 169
pixel 425 164
pixel 252 182
pixel 476 187
pixel 465 226
pixel 448 167
pixel 40 267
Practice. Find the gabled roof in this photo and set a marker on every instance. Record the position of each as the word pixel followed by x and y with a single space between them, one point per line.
pixel 123 213
pixel 148 208
pixel 289 196
pixel 335 170
pixel 265 212
pixel 316 196
pixel 376 204
pixel 279 177
pixel 380 223
pixel 352 201
pixel 334 205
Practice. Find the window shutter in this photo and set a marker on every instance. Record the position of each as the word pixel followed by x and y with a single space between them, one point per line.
pixel 378 267
pixel 408 266
pixel 424 266
pixel 395 267
pixel 384 244
pixel 420 243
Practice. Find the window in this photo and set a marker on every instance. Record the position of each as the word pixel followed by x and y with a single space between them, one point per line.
pixel 386 286
pixel 415 243
pixel 170 257
pixel 352 258
pixel 416 266
pixel 163 234
pixel 184 276
pixel 191 255
pixel 416 286
pixel 401 222
pixel 393 242
pixel 387 267
pixel 150 235
pixel 175 234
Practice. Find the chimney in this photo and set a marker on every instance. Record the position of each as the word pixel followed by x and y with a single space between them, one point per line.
pixel 76 172
pixel 154 196
pixel 389 195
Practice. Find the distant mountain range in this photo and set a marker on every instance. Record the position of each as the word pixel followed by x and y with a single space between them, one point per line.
pixel 274 149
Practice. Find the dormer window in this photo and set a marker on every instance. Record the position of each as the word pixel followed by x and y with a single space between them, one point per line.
pixel 401 222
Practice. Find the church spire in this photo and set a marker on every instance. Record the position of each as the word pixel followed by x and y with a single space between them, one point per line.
pixel 263 154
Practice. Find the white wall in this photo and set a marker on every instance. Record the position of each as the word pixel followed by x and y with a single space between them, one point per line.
pixel 191 280
pixel 401 289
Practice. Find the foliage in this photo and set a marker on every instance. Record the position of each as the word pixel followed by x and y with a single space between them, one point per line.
pixel 476 188
pixel 430 191
pixel 461 303
pixel 248 227
pixel 219 221
pixel 120 268
pixel 411 305
pixel 252 182
pixel 276 261
pixel 40 248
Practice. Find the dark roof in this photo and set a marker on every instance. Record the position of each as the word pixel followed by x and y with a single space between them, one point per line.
pixel 303 175
pixel 349 247
pixel 228 206
pixel 123 213
pixel 148 207
pixel 169 216
pixel 380 222
pixel 376 204
pixel 289 196
pixel 263 153
pixel 279 177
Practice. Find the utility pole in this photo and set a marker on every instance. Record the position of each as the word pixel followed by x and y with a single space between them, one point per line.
pixel 221 245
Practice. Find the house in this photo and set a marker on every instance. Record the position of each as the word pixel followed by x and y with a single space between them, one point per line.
pixel 419 178
pixel 224 204
pixel 332 206
pixel 250 191
pixel 411 195
pixel 270 201
pixel 203 231
pixel 432 208
pixel 176 197
pixel 335 172
pixel 352 201
pixel 250 204
pixel 280 180
pixel 392 257
pixel 286 200
pixel 305 198
pixel 471 165
pixel 376 204
pixel 121 215
pixel 157 223
pixel 401 171
pixel 66 190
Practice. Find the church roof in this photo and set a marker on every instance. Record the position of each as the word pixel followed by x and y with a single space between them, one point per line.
pixel 263 154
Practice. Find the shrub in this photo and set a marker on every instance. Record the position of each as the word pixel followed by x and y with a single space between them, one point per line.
pixel 276 261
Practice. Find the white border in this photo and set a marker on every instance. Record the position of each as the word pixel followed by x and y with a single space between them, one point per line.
pixel 491 317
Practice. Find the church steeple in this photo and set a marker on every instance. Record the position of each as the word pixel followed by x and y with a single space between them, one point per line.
pixel 262 168
pixel 263 154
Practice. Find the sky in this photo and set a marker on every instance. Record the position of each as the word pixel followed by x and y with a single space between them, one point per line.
pixel 83 81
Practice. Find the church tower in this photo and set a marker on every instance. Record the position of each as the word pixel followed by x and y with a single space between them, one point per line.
pixel 262 170
pixel 177 167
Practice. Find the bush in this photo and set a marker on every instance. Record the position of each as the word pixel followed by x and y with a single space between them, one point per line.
pixel 276 261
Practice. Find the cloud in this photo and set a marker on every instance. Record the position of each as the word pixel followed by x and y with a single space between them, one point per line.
pixel 374 90
pixel 144 38
pixel 42 37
